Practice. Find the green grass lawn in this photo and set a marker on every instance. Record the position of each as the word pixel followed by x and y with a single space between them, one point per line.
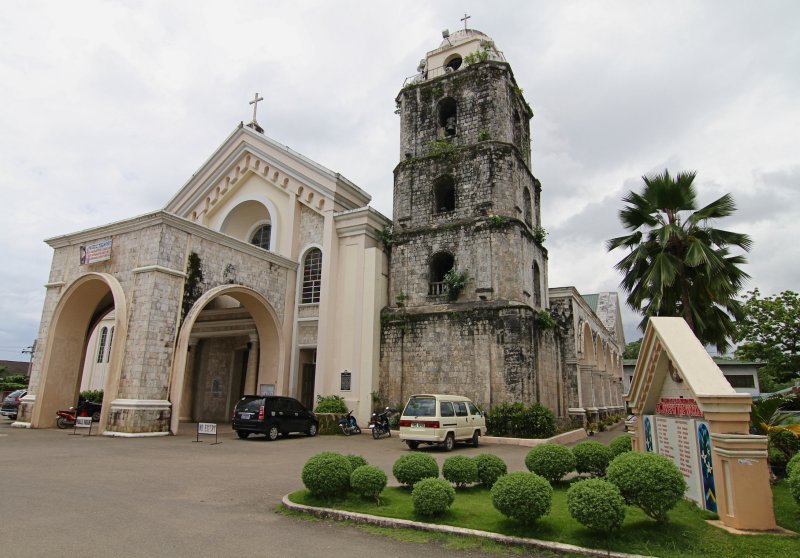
pixel 685 535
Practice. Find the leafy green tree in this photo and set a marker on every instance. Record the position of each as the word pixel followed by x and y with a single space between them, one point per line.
pixel 632 349
pixel 769 331
pixel 678 265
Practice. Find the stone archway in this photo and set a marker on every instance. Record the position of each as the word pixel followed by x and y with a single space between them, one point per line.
pixel 82 302
pixel 270 339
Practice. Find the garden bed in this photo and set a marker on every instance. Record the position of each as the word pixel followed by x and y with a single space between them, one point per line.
pixel 687 534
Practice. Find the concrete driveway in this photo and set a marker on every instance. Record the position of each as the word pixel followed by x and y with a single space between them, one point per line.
pixel 168 496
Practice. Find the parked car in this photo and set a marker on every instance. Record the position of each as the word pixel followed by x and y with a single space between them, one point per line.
pixel 441 419
pixel 11 403
pixel 272 415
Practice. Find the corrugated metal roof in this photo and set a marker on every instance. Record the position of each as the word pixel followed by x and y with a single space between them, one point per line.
pixel 591 300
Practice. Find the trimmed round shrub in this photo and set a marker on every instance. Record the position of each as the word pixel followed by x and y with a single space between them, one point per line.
pixel 522 496
pixel 368 481
pixel 649 481
pixel 551 461
pixel 592 458
pixel 413 467
pixel 327 475
pixel 596 504
pixel 794 463
pixel 432 496
pixel 794 484
pixel 620 444
pixel 460 470
pixel 356 461
pixel 490 468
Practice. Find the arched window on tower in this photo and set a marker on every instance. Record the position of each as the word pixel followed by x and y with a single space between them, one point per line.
pixel 447 117
pixel 101 345
pixel 453 63
pixel 444 194
pixel 537 286
pixel 527 207
pixel 517 129
pixel 261 236
pixel 312 276
pixel 441 263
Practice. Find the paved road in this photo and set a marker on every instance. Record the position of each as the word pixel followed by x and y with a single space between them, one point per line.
pixel 80 496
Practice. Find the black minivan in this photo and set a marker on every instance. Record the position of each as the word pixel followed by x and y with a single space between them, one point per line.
pixel 272 415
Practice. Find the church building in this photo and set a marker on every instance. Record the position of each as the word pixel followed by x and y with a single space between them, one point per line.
pixel 269 273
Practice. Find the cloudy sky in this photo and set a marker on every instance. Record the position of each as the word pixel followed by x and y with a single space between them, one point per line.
pixel 107 108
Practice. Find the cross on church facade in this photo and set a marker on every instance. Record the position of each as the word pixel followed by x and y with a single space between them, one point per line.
pixel 255 102
pixel 464 19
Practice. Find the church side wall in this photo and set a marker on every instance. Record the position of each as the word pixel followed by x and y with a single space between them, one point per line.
pixel 491 355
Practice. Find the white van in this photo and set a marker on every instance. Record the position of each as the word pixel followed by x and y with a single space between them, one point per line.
pixel 441 419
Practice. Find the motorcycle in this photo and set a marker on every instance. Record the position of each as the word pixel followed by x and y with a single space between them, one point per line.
pixel 380 424
pixel 349 425
pixel 67 418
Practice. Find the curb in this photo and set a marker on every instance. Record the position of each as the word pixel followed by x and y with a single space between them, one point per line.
pixel 329 513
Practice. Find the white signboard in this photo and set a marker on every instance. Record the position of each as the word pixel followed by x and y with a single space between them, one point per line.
pixel 83 422
pixel 97 252
pixel 207 428
pixel 677 441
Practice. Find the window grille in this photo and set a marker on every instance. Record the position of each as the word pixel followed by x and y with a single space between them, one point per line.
pixel 110 340
pixel 312 276
pixel 101 346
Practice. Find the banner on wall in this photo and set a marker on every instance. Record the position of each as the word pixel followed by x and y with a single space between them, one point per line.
pixel 97 252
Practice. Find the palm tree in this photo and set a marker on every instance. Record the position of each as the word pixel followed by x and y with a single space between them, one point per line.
pixel 678 265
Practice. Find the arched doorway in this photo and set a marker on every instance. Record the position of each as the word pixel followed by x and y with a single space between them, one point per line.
pixel 79 309
pixel 230 344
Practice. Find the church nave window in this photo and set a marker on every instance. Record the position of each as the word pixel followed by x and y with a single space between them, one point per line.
pixel 312 276
pixel 110 340
pixel 261 237
pixel 101 345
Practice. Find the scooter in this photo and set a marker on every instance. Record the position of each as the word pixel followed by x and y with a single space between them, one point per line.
pixel 349 425
pixel 380 423
pixel 66 418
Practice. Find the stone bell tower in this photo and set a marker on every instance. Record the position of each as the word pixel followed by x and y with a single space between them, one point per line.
pixel 468 276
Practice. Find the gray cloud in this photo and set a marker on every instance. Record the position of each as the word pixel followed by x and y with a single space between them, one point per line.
pixel 109 107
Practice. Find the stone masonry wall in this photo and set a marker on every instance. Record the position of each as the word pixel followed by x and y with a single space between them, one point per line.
pixel 144 260
pixel 489 179
pixel 488 101
pixel 311 226
pixel 497 259
pixel 491 354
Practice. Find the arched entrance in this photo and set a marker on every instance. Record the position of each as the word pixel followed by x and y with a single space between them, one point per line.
pixel 230 344
pixel 86 301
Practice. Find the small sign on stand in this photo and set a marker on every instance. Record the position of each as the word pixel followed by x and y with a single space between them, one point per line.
pixel 207 428
pixel 82 422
